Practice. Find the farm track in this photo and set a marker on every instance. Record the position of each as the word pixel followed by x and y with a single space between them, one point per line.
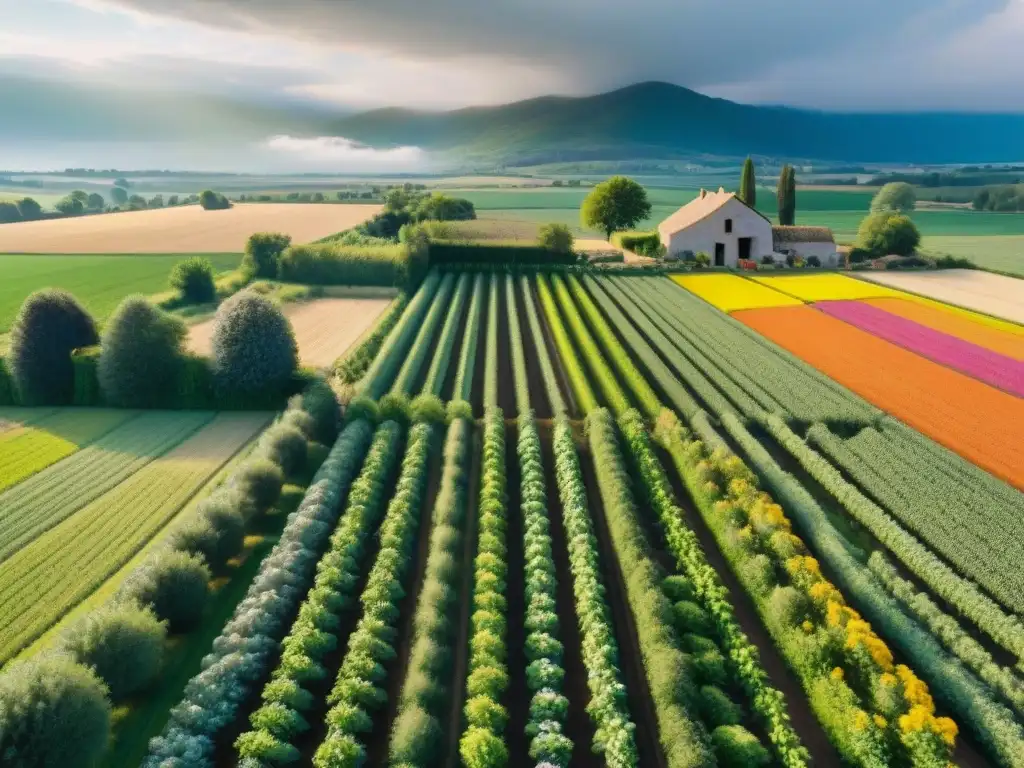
pixel 457 683
pixel 48 498
pixel 578 725
pixel 517 696
pixel 631 665
pixel 34 587
pixel 377 741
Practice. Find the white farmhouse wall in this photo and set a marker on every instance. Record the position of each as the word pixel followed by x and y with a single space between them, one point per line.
pixel 702 235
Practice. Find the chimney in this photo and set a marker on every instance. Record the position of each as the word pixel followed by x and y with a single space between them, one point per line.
pixel 703 193
pixel 721 190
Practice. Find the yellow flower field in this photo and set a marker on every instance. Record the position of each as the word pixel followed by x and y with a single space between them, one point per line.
pixel 730 293
pixel 829 287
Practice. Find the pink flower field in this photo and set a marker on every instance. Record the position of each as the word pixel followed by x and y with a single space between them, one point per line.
pixel 983 364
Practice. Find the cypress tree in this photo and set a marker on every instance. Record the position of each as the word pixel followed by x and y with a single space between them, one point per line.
pixel 748 191
pixel 787 196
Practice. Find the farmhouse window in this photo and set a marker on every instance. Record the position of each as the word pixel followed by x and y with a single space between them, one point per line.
pixel 728 226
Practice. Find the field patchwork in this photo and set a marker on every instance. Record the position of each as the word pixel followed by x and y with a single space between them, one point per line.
pixel 324 328
pixel 732 292
pixel 995 295
pixel 828 287
pixel 40 502
pixel 973 419
pixel 983 364
pixel 25 450
pixel 187 229
pixel 35 588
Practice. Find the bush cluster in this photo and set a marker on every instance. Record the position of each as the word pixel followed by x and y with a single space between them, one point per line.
pixel 263 253
pixel 213 201
pixel 250 639
pixel 417 732
pixel 482 745
pixel 49 326
pixel 642 243
pixel 882 234
pixel 314 633
pixel 193 280
pixel 608 708
pixel 357 693
pixel 544 673
pixel 335 264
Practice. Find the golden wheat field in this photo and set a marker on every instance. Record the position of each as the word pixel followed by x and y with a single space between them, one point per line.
pixel 324 328
pixel 188 229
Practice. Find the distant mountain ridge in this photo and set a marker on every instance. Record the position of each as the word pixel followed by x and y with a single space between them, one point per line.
pixel 657 119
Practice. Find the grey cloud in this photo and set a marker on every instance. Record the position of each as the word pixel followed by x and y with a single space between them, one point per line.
pixel 602 43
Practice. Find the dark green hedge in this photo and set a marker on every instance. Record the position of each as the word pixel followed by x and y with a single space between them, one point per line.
pixel 330 264
pixel 484 253
pixel 85 363
pixel 6 385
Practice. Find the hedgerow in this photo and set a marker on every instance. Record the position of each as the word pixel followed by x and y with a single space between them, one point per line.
pixel 491 347
pixel 358 693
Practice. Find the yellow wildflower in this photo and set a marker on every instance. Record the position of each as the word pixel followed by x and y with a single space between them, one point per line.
pixel 880 721
pixel 837 673
pixel 807 627
pixel 947 729
pixel 861 720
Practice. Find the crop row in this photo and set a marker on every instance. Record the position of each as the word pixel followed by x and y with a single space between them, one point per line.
pixel 491 348
pixel 583 393
pixel 417 734
pixel 354 364
pixel 392 353
pixel 972 653
pixel 540 349
pixel 515 335
pixel 712 596
pixel 438 371
pixel 246 645
pixel 482 743
pixel 409 373
pixel 35 590
pixel 544 673
pixel 315 632
pixel 39 503
pixel 357 693
pixel 1002 627
pixel 614 736
pixel 463 389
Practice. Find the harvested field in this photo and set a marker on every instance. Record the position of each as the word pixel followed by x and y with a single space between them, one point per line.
pixel 35 588
pixel 973 419
pixel 324 328
pixel 188 229
pixel 982 291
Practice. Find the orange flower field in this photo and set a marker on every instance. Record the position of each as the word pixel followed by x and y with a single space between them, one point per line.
pixel 981 423
pixel 962 327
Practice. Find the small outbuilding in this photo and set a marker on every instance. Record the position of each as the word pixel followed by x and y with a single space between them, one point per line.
pixel 720 225
pixel 805 242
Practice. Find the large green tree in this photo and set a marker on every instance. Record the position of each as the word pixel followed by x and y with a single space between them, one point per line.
pixel 615 204
pixel 888 233
pixel 897 197
pixel 748 184
pixel 786 195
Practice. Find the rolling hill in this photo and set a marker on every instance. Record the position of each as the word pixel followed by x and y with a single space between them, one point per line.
pixel 662 120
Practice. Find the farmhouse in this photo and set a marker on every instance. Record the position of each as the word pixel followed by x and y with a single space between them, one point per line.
pixel 719 224
pixel 806 242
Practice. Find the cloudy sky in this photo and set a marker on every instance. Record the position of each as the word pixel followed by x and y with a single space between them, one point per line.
pixel 320 58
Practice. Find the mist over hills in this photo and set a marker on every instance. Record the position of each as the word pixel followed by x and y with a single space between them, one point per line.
pixel 656 119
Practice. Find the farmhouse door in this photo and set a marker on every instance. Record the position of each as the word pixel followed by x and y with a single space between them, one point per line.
pixel 719 254
pixel 745 244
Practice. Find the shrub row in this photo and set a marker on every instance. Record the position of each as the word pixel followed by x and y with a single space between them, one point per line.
pixel 246 645
pixel 515 334
pixel 600 370
pixel 449 253
pixel 417 734
pixel 586 400
pixel 358 693
pixel 1004 628
pixel 644 243
pixel 768 703
pixel 672 676
pixel 991 723
pixel 482 745
pixel 491 347
pixel 554 392
pixel 354 364
pixel 409 373
pixel 335 264
pixel 972 653
pixel 315 632
pixel 862 698
pixel 544 673
pixel 608 707
pixel 438 371
pixel 463 388
pixel 378 377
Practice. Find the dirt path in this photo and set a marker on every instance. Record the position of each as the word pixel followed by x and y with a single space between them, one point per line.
pixel 378 739
pixel 641 705
pixel 578 725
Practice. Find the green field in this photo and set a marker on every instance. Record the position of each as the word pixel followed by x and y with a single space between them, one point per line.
pixel 98 281
pixel 1002 252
